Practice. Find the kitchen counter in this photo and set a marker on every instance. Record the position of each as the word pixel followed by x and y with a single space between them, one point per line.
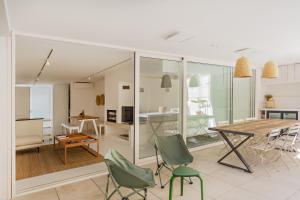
pixel 281 109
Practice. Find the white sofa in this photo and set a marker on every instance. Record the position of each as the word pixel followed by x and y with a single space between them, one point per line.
pixel 29 133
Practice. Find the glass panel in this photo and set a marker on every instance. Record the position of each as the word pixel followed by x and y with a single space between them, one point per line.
pixel 290 115
pixel 41 103
pixel 208 101
pixel 160 101
pixel 274 115
pixel 243 100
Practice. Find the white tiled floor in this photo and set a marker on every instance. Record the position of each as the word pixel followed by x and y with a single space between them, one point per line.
pixel 220 182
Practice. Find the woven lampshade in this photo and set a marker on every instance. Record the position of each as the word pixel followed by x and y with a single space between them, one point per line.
pixel 194 81
pixel 242 68
pixel 270 70
pixel 166 81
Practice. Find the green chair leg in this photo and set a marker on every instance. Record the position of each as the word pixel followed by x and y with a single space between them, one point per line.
pixel 181 186
pixel 201 187
pixel 171 188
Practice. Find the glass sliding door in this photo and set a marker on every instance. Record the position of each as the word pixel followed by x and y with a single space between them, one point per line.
pixel 160 105
pixel 208 101
pixel 243 98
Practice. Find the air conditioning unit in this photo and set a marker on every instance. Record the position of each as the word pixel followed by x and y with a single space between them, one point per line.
pixel 83 85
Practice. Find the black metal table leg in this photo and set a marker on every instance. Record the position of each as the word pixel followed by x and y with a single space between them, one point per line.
pixel 235 150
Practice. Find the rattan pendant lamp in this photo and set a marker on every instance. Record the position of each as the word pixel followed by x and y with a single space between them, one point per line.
pixel 270 70
pixel 242 68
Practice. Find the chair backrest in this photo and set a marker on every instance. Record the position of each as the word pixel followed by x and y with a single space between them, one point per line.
pixel 123 170
pixel 222 123
pixel 274 134
pixel 250 118
pixel 238 121
pixel 293 132
pixel 173 150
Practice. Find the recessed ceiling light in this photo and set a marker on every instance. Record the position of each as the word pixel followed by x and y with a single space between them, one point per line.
pixel 48 63
pixel 243 50
pixel 179 37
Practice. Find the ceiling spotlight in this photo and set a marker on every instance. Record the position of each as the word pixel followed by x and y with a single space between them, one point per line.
pixel 179 37
pixel 48 63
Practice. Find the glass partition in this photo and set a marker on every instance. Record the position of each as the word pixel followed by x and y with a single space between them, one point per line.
pixel 243 98
pixel 208 101
pixel 160 101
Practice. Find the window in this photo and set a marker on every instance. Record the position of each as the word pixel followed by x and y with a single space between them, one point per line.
pixel 41 103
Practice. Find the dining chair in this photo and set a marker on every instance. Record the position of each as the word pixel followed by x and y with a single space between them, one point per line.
pixel 125 174
pixel 267 145
pixel 287 143
pixel 173 152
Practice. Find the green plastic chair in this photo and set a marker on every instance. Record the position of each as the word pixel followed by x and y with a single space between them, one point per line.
pixel 173 152
pixel 183 172
pixel 125 174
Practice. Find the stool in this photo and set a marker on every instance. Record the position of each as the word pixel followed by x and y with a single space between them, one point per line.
pixel 184 172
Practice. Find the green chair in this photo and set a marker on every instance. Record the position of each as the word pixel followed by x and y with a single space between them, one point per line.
pixel 173 152
pixel 125 174
pixel 184 172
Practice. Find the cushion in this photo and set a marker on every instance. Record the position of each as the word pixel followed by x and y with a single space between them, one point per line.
pixel 28 140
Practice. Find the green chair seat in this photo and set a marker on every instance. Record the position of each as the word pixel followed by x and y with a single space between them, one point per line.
pixel 185 172
pixel 182 172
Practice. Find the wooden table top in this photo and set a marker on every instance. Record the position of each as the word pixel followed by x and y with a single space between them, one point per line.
pixel 256 127
pixel 76 139
pixel 86 117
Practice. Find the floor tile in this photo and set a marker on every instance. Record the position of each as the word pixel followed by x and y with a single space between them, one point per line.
pixel 86 190
pixel 240 194
pixel 213 187
pixel 43 195
pixel 295 196
pixel 273 187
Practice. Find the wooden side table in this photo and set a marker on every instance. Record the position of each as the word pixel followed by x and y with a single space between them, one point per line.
pixel 76 140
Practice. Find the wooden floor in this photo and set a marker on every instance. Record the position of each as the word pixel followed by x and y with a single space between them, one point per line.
pixel 30 163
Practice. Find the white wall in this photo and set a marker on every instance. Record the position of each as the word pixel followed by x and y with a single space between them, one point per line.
pixel 85 99
pixel 99 90
pixel 5 119
pixel 22 102
pixel 60 106
pixel 123 73
pixel 285 95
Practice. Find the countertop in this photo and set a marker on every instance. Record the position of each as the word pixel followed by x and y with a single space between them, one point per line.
pixel 281 109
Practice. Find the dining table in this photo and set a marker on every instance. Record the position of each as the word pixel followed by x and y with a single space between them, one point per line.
pixel 248 130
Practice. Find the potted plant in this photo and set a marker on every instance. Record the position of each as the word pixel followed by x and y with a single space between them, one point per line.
pixel 269 101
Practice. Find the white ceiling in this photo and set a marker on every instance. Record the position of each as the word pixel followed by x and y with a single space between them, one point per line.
pixel 271 28
pixel 69 62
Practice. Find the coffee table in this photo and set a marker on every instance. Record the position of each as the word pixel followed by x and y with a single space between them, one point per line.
pixel 76 140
